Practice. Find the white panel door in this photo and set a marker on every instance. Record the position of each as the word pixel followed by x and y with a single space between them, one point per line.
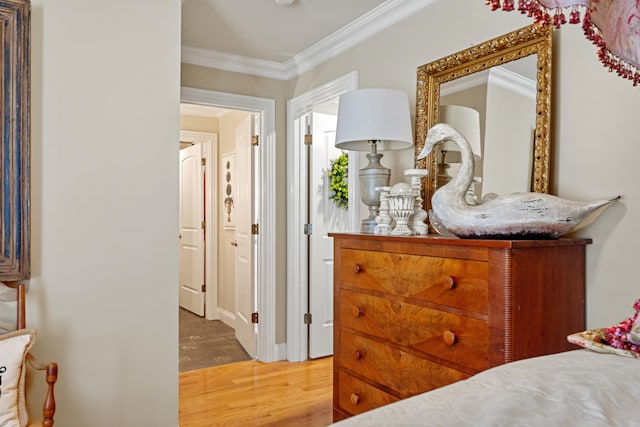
pixel 191 253
pixel 325 218
pixel 246 332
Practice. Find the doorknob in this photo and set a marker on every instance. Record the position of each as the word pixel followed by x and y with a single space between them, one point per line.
pixel 234 243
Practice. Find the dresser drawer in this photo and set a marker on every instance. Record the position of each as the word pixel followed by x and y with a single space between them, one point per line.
pixel 447 281
pixel 357 396
pixel 462 340
pixel 393 368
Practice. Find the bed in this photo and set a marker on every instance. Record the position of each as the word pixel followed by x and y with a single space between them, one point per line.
pixel 575 388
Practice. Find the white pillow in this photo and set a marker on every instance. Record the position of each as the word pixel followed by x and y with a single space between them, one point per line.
pixel 14 347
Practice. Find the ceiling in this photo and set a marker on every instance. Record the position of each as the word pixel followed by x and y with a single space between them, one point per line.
pixel 263 29
pixel 264 38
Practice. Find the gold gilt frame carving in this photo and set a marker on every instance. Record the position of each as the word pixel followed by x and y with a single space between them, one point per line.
pixel 518 44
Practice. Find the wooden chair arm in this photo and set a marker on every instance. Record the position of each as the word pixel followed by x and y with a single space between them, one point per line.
pixel 49 407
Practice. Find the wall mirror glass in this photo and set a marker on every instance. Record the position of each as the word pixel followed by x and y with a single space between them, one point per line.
pixel 14 132
pixel 506 82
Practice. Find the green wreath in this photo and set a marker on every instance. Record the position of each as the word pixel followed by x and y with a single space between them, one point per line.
pixel 338 189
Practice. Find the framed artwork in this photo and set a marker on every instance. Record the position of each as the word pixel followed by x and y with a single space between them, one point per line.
pixel 15 253
pixel 227 179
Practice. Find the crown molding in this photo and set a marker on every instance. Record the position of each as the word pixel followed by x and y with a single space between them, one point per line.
pixel 514 82
pixel 496 75
pixel 383 16
pixel 378 19
pixel 235 63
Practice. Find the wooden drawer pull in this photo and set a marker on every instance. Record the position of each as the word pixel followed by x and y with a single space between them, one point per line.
pixel 449 337
pixel 357 268
pixel 357 355
pixel 451 283
pixel 357 311
pixel 355 399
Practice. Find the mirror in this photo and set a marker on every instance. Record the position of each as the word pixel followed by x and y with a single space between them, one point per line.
pixel 507 80
pixel 14 132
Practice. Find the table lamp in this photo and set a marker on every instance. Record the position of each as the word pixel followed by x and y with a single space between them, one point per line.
pixel 373 120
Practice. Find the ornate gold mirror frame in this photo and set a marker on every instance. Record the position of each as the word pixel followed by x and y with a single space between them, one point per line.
pixel 15 134
pixel 531 40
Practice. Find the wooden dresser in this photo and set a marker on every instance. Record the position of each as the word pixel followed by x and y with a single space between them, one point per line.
pixel 416 313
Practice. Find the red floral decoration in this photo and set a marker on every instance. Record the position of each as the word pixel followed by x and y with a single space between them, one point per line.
pixel 612 25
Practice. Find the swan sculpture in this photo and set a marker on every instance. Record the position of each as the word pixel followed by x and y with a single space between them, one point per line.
pixel 513 216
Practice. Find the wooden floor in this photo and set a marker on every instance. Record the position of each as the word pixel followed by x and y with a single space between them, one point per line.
pixel 258 394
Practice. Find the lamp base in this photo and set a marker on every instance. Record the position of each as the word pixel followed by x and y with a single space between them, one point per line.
pixel 371 176
pixel 368 226
pixel 442 175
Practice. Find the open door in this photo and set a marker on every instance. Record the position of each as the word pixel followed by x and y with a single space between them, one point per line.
pixel 246 331
pixel 191 217
pixel 325 217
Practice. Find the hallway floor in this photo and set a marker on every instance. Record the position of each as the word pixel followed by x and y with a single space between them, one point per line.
pixel 204 343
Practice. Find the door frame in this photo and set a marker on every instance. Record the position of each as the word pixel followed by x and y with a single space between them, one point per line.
pixel 266 349
pixel 209 143
pixel 297 294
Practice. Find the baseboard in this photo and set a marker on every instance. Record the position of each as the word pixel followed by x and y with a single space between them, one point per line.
pixel 227 317
pixel 280 352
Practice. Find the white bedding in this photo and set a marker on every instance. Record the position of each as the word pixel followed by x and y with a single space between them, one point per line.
pixel 575 388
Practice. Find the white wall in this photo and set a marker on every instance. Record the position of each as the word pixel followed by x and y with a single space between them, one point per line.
pixel 596 153
pixel 103 293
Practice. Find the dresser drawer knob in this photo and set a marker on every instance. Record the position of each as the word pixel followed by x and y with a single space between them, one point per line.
pixel 357 355
pixel 449 337
pixel 451 283
pixel 357 311
pixel 355 399
pixel 357 268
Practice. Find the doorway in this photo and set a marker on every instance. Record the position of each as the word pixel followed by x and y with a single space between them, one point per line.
pixel 315 303
pixel 216 249
pixel 263 293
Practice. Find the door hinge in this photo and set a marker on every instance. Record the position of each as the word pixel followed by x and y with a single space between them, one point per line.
pixel 254 229
pixel 203 225
pixel 308 139
pixel 254 317
pixel 307 318
pixel 204 288
pixel 255 140
pixel 203 161
pixel 308 229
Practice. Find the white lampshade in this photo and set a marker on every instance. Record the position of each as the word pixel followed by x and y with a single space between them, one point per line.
pixel 465 120
pixel 380 115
